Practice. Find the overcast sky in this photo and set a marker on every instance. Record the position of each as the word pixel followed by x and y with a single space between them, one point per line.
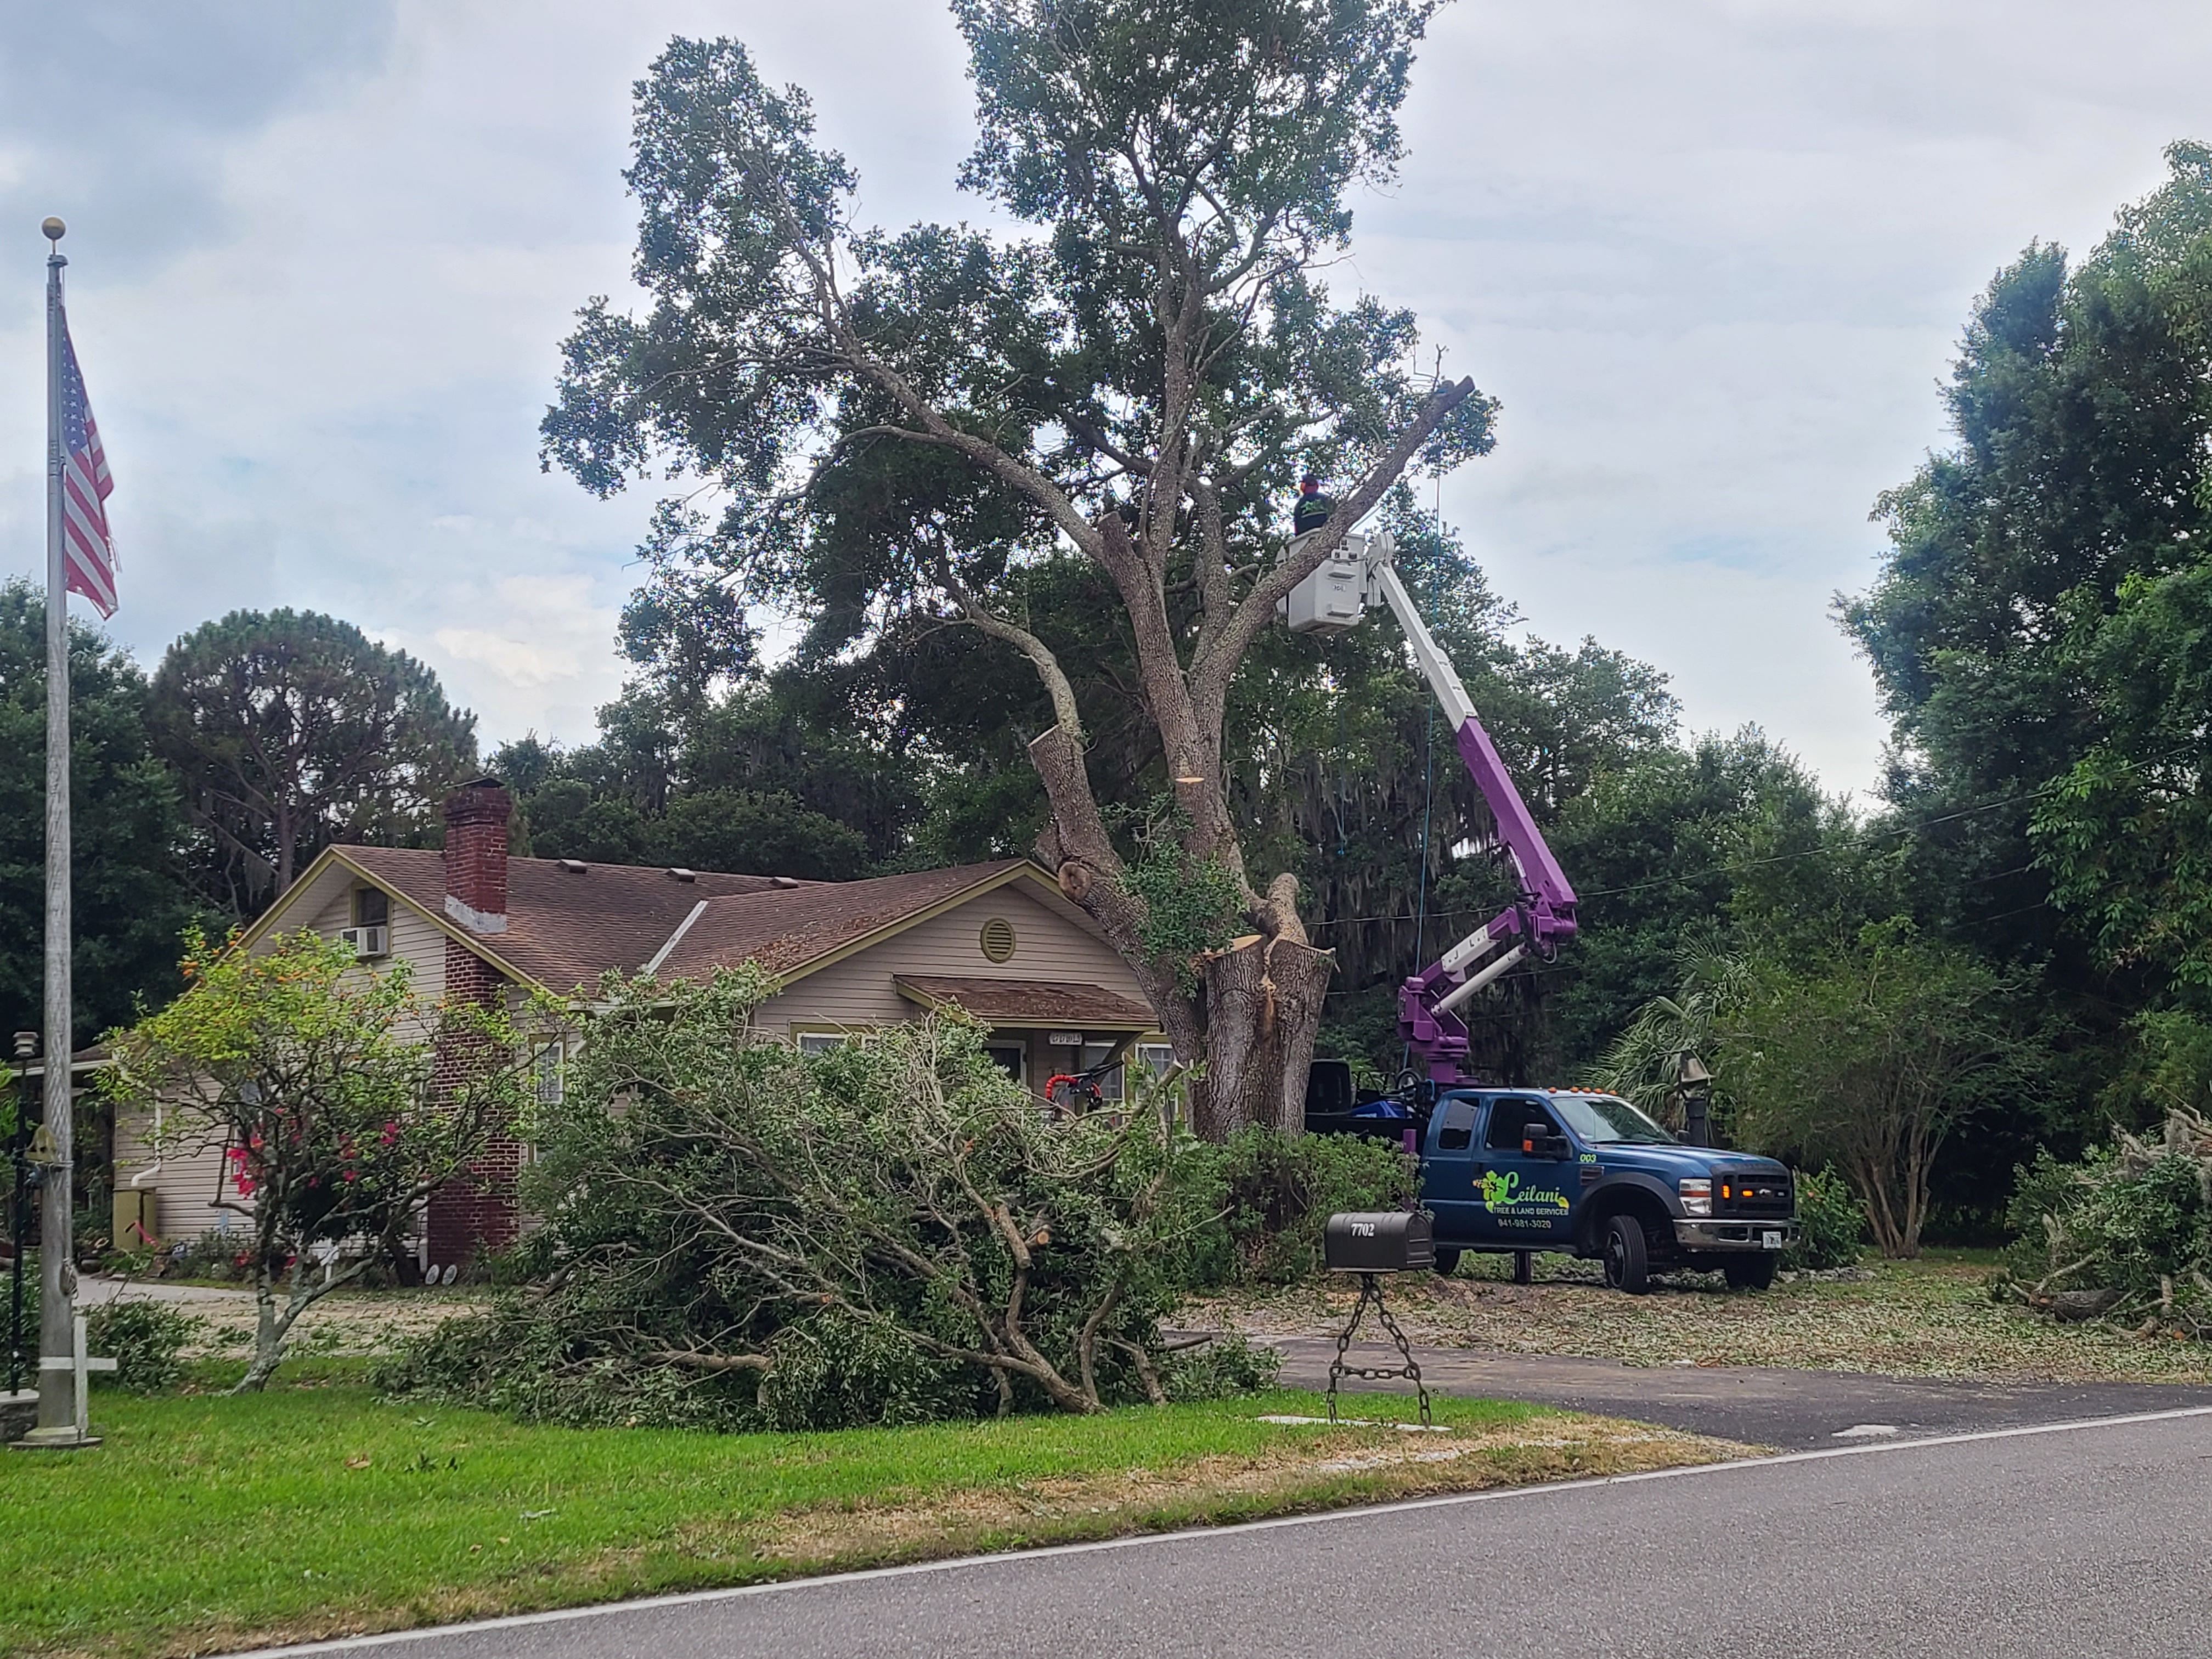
pixel 1713 256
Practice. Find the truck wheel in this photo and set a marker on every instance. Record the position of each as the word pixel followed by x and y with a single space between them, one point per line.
pixel 1447 1262
pixel 1749 1272
pixel 1627 1258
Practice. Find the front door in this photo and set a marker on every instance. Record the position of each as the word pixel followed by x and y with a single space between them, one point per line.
pixel 1523 1199
pixel 1447 1177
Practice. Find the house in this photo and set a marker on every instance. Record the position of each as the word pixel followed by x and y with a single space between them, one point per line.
pixel 999 940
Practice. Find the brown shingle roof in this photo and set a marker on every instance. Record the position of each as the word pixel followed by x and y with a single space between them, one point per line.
pixel 1028 1001
pixel 787 929
pixel 565 927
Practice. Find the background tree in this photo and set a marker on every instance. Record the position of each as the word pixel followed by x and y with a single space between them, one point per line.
pixel 1872 1062
pixel 289 731
pixel 321 1082
pixel 909 423
pixel 130 899
pixel 2036 631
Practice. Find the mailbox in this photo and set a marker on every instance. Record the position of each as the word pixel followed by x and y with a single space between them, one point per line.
pixel 1380 1242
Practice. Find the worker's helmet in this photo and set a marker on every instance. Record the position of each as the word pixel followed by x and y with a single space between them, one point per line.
pixel 1310 481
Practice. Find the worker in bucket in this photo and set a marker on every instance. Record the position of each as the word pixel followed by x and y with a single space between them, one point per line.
pixel 1313 508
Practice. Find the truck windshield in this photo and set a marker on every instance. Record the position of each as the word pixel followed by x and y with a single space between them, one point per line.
pixel 1606 1119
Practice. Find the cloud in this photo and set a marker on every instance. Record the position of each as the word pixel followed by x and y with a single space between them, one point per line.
pixel 1712 256
pixel 118 114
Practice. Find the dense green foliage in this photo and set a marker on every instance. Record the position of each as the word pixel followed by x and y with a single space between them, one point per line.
pixel 1832 1223
pixel 2036 633
pixel 127 873
pixel 737 1233
pixel 290 730
pixel 1269 1196
pixel 146 1341
pixel 2125 1234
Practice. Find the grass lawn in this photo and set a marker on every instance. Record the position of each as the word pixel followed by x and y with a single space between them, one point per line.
pixel 1932 1317
pixel 207 1522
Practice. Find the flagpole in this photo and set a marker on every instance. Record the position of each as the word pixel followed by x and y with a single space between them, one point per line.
pixel 56 1247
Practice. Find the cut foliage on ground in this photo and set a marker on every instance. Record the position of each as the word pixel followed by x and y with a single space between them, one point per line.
pixel 208 1522
pixel 2125 1237
pixel 1931 1317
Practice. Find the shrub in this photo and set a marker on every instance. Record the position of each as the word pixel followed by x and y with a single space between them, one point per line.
pixel 146 1339
pixel 1273 1194
pixel 2125 1234
pixel 1831 1222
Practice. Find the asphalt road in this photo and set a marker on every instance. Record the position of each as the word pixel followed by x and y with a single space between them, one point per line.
pixel 2086 1540
pixel 1794 1409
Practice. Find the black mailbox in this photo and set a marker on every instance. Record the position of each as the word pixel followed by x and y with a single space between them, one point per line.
pixel 1381 1241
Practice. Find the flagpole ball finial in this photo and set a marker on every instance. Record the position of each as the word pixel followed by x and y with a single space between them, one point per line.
pixel 54 229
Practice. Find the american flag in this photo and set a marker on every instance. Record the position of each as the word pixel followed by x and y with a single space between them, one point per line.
pixel 88 548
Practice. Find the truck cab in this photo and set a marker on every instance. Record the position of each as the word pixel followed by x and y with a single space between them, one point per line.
pixel 1522 1170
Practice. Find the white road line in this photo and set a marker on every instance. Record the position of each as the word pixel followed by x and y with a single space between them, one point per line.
pixel 1142 1540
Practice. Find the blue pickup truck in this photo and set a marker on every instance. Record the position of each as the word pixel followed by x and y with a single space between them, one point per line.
pixel 1522 1170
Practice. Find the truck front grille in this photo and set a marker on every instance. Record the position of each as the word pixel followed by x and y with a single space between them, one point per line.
pixel 1752 1195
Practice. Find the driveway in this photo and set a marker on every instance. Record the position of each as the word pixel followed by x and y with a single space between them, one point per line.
pixel 1760 1408
pixel 347 1322
pixel 2092 1538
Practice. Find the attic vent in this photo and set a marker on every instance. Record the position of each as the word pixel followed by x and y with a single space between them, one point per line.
pixel 998 940
pixel 573 866
pixel 785 881
pixel 683 875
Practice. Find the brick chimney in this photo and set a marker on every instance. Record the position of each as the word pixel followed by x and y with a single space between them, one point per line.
pixel 476 855
pixel 475 1211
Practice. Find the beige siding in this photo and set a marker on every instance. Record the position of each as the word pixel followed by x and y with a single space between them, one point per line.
pixel 858 991
pixel 191 1173
pixel 414 936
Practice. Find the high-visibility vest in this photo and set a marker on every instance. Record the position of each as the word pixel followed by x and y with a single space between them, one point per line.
pixel 1310 514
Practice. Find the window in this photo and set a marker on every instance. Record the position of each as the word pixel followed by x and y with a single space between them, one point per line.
pixel 821 1043
pixel 1510 1120
pixel 1098 1053
pixel 1603 1119
pixel 1012 1059
pixel 1156 1057
pixel 546 1071
pixel 1457 1131
pixel 372 908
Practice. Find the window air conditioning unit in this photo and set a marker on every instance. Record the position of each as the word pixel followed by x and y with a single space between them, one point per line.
pixel 366 941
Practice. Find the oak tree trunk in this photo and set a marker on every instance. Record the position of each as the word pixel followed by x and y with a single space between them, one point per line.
pixel 1263 999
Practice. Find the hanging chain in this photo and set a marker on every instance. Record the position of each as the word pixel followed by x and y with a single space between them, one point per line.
pixel 1370 1290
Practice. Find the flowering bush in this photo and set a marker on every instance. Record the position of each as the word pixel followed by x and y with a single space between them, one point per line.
pixel 333 1090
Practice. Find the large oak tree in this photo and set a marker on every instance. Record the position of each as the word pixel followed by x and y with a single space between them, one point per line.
pixel 915 422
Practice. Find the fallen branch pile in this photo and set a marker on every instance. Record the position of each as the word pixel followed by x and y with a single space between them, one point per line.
pixel 2125 1236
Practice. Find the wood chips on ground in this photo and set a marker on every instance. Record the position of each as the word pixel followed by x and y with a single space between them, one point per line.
pixel 1931 1319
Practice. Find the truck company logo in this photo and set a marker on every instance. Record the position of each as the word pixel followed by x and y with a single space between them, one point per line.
pixel 1504 1192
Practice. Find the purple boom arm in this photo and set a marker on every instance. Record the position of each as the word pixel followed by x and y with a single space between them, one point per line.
pixel 1540 917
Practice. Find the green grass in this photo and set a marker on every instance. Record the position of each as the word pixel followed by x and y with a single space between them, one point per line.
pixel 206 1522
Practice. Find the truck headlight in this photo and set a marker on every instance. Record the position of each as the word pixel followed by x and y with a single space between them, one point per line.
pixel 1697 1195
